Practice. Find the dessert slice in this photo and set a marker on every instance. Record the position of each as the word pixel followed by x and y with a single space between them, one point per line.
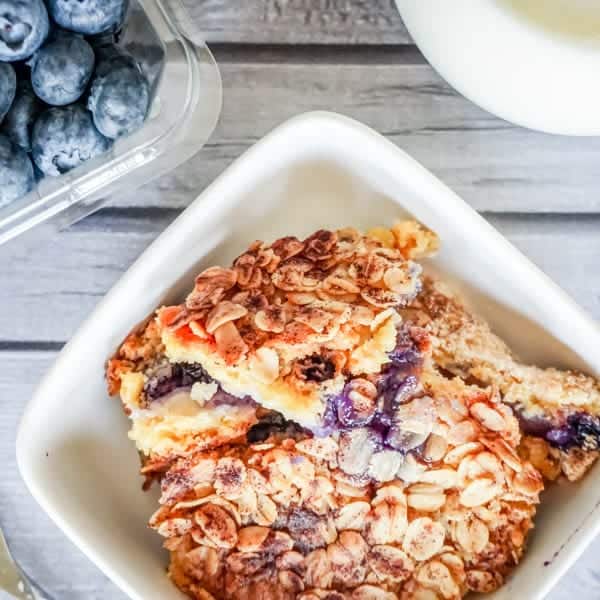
pixel 562 408
pixel 279 337
pixel 301 517
pixel 290 324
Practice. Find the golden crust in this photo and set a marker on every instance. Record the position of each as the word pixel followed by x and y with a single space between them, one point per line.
pixel 464 344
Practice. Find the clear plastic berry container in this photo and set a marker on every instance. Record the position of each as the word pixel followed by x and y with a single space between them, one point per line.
pixel 186 103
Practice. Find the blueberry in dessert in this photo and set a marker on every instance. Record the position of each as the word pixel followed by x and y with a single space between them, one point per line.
pixel 24 26
pixel 174 407
pixel 325 420
pixel 61 69
pixel 110 56
pixel 16 172
pixel 63 138
pixel 119 96
pixel 8 88
pixel 282 519
pixel 18 123
pixel 88 16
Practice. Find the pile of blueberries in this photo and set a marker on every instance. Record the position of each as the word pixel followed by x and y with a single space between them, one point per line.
pixel 67 90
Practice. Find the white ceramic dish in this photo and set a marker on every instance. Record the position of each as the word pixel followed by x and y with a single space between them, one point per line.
pixel 316 170
pixel 532 62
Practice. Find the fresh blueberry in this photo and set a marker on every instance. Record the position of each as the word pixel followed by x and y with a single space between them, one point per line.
pixel 63 138
pixel 88 16
pixel 23 28
pixel 8 88
pixel 104 38
pixel 110 56
pixel 119 99
pixel 19 120
pixel 61 69
pixel 16 172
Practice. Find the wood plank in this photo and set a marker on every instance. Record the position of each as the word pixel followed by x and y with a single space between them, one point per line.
pixel 493 165
pixel 49 291
pixel 299 21
pixel 60 567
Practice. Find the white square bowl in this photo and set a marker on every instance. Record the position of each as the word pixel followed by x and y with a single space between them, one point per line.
pixel 317 170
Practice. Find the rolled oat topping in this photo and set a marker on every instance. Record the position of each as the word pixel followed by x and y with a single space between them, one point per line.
pixel 282 522
pixel 332 269
pixel 292 321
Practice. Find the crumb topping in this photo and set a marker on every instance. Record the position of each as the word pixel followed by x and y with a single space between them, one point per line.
pixel 560 407
pixel 291 293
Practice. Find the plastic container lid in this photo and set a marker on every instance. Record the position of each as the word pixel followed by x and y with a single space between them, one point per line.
pixel 187 100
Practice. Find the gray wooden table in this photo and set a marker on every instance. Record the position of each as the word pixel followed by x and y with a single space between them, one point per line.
pixel 279 58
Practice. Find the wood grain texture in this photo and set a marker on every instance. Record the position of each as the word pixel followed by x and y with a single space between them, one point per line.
pixel 299 21
pixel 60 567
pixel 54 288
pixel 493 165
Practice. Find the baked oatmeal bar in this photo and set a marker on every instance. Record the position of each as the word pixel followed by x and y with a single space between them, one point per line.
pixel 326 421
pixel 285 329
pixel 307 517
